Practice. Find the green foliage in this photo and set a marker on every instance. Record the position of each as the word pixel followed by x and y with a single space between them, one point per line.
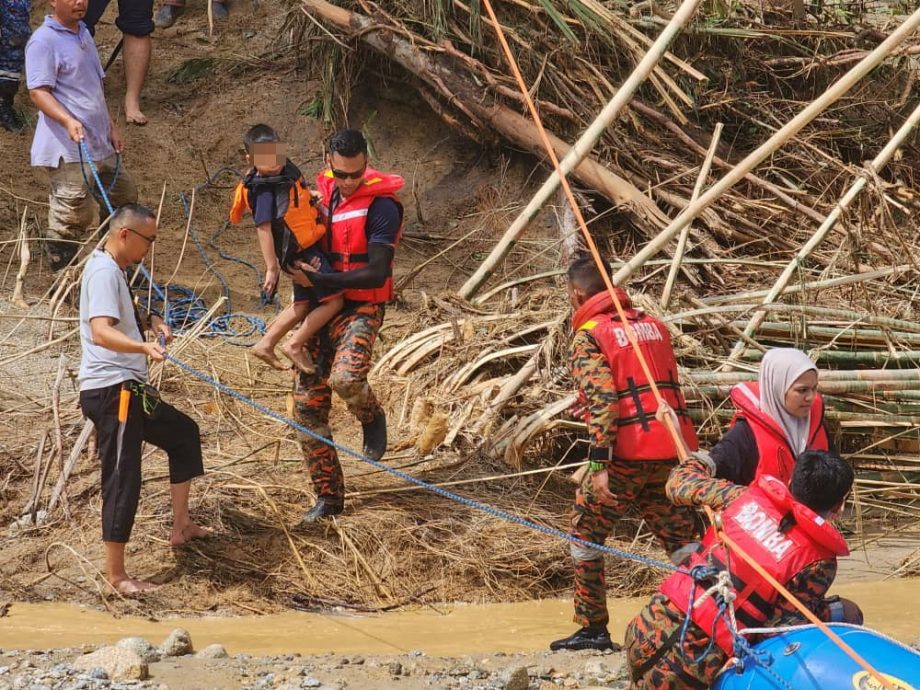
pixel 557 19
pixel 314 108
pixel 191 70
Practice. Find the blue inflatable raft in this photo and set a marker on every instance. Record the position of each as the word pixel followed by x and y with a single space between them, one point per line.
pixel 806 659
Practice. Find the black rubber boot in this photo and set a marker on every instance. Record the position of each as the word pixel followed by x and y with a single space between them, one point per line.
pixel 167 15
pixel 220 10
pixel 59 254
pixel 9 118
pixel 375 436
pixel 323 508
pixel 591 637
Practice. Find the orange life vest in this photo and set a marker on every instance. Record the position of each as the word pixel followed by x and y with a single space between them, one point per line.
pixel 639 435
pixel 752 521
pixel 776 455
pixel 346 241
pixel 302 219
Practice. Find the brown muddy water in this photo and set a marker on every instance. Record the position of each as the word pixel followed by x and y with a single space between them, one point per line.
pixel 889 606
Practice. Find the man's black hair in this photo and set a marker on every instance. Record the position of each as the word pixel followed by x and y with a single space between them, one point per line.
pixel 584 275
pixel 348 143
pixel 260 134
pixel 820 480
pixel 124 215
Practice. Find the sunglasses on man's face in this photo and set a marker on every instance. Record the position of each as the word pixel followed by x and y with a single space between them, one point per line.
pixel 345 175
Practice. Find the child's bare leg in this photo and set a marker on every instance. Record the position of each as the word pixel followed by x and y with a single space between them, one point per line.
pixel 295 348
pixel 285 321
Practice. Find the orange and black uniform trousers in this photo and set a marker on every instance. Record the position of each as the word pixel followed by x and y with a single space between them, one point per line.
pixel 161 425
pixel 342 355
pixel 638 484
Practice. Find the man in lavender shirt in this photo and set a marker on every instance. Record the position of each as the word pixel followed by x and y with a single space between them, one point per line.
pixel 64 77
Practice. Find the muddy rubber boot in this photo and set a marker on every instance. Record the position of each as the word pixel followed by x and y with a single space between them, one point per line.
pixel 167 15
pixel 323 508
pixel 591 637
pixel 9 118
pixel 375 436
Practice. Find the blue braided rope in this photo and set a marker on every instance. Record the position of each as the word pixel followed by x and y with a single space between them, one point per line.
pixel 86 158
pixel 476 505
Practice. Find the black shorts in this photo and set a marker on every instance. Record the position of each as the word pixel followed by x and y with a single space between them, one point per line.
pixel 135 17
pixel 315 295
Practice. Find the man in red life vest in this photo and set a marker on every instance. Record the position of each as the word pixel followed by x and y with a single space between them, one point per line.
pixel 786 530
pixel 631 452
pixel 364 219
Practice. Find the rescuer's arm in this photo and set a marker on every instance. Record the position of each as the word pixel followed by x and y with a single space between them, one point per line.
pixel 375 274
pixel 692 484
pixel 597 387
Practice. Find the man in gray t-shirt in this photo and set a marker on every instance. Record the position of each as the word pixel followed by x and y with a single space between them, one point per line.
pixel 114 395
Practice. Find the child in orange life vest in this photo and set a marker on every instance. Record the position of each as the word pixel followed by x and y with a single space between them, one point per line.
pixel 289 228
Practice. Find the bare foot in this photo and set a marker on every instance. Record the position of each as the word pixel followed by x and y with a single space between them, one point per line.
pixel 267 355
pixel 129 587
pixel 134 116
pixel 300 357
pixel 182 535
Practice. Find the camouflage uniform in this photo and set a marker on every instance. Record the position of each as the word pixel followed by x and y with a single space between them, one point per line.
pixel 342 355
pixel 656 660
pixel 641 484
pixel 14 34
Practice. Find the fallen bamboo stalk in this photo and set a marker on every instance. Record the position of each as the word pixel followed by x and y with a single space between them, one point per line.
pixel 907 357
pixel 778 139
pixel 75 452
pixel 25 255
pixel 812 285
pixel 461 482
pixel 39 348
pixel 839 335
pixel 722 390
pixel 581 148
pixel 850 317
pixel 874 167
pixel 833 375
pixel 685 232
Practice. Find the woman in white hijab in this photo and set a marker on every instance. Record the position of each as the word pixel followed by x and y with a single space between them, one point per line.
pixel 777 418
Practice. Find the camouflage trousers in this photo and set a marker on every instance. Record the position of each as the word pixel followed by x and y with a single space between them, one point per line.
pixel 342 355
pixel 14 34
pixel 72 203
pixel 640 484
pixel 658 661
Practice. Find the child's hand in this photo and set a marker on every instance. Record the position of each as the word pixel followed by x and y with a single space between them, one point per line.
pixel 270 284
pixel 311 267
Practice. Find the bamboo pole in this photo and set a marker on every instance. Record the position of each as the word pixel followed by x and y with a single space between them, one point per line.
pixel 895 326
pixel 780 137
pixel 813 285
pixel 835 375
pixel 685 233
pixel 906 357
pixel 581 148
pixel 879 162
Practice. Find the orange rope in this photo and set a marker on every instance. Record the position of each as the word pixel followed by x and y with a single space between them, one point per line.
pixel 668 420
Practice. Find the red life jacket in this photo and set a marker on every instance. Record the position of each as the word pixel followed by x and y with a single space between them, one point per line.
pixel 302 219
pixel 346 241
pixel 776 455
pixel 752 521
pixel 639 435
